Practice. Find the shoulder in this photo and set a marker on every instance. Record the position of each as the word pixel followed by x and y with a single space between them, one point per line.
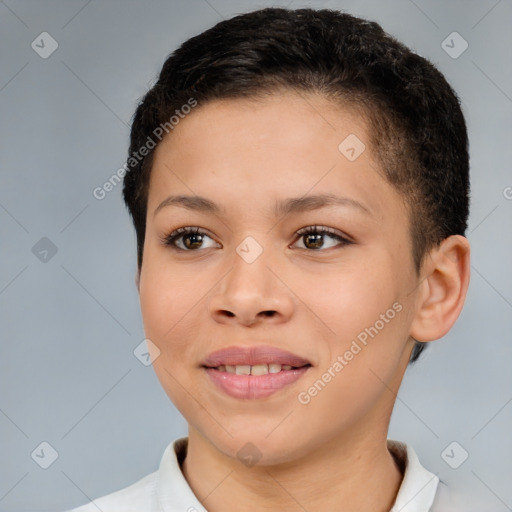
pixel 166 484
pixel 133 498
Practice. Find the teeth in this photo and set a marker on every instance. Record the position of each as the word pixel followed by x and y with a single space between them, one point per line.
pixel 257 369
pixel 274 368
pixel 244 369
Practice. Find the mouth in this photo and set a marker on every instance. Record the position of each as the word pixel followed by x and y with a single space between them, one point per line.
pixel 254 372
pixel 257 369
pixel 254 356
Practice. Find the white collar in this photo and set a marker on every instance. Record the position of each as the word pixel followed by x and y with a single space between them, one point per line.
pixel 419 486
pixel 416 494
pixel 173 491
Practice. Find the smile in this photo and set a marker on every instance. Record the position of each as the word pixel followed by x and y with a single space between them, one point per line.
pixel 254 372
pixel 257 369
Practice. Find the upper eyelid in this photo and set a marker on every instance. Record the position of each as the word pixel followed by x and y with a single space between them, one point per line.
pixel 324 229
pixel 340 235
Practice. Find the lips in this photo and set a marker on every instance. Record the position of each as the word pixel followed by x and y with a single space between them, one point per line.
pixel 253 356
pixel 254 372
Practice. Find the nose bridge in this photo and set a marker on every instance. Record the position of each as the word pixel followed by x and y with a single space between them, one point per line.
pixel 250 287
pixel 249 274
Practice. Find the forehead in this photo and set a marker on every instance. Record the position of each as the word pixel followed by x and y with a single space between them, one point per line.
pixel 257 150
pixel 282 121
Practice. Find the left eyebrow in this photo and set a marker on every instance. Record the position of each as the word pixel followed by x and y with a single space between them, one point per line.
pixel 315 202
pixel 281 208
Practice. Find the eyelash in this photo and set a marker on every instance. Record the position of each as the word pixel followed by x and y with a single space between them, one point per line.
pixel 170 239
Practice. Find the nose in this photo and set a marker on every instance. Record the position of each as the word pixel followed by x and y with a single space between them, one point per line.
pixel 251 293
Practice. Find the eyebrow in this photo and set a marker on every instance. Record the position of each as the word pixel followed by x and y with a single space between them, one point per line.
pixel 282 207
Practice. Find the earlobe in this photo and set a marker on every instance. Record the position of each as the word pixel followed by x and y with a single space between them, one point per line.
pixel 443 289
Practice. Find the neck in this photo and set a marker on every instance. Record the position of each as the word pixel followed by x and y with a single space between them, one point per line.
pixel 350 474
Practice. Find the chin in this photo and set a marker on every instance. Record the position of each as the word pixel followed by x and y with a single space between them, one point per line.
pixel 257 448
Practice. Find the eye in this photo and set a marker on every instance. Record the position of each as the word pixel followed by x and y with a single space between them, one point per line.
pixel 187 239
pixel 192 238
pixel 314 236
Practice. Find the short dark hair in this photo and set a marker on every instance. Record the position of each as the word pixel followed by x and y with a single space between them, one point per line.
pixel 417 129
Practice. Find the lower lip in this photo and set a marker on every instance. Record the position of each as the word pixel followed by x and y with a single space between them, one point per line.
pixel 254 386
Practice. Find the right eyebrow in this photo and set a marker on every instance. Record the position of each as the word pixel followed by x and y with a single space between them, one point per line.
pixel 197 203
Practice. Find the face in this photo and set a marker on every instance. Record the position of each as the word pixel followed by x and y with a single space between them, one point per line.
pixel 295 267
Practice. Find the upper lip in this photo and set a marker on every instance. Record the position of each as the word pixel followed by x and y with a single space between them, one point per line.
pixel 258 354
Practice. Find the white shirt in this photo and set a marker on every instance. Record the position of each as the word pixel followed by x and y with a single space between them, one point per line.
pixel 167 490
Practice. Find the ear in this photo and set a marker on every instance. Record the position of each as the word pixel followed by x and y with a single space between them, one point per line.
pixel 442 290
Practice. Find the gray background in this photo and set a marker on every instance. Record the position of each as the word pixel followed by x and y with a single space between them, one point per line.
pixel 70 324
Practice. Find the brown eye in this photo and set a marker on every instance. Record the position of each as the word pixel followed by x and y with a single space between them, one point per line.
pixel 314 238
pixel 187 239
pixel 313 241
pixel 193 240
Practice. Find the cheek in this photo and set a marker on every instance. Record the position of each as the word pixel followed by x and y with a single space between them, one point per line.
pixel 360 370
pixel 170 301
pixel 346 299
pixel 169 305
pixel 168 291
pixel 363 317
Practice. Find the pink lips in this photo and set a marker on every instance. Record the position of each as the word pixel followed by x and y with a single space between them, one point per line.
pixel 253 355
pixel 254 386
